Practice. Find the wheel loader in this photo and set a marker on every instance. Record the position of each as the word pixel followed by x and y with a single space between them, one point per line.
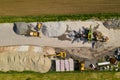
pixel 35 32
pixel 98 36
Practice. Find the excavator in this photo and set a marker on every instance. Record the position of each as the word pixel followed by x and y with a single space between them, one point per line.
pixel 90 34
pixel 59 54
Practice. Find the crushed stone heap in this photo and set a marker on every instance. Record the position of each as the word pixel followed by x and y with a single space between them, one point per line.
pixel 54 29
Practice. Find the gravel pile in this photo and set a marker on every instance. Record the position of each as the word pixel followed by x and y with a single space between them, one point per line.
pixel 20 28
pixel 53 29
pixel 112 23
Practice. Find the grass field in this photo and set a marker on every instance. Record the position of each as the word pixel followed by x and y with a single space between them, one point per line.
pixel 61 76
pixel 57 7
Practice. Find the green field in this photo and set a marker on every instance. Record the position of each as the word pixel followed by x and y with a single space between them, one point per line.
pixel 57 7
pixel 61 76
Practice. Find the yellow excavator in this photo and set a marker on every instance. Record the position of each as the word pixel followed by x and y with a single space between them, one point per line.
pixel 60 54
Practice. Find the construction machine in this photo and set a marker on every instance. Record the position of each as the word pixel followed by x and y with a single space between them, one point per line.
pixel 98 36
pixel 60 55
pixel 35 32
pixel 90 34
pixel 82 66
pixel 38 27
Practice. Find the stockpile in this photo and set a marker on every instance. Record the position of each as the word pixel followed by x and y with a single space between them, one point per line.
pixel 24 58
pixel 54 29
pixel 112 23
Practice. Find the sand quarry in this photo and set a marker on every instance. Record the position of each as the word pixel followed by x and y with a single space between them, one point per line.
pixel 77 49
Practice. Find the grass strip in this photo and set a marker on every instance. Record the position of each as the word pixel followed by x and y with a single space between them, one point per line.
pixel 103 75
pixel 46 18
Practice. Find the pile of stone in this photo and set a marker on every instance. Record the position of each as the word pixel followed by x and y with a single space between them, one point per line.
pixel 22 28
pixel 54 29
pixel 49 29
pixel 112 23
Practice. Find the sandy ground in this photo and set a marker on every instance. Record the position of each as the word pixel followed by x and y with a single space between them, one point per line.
pixel 8 37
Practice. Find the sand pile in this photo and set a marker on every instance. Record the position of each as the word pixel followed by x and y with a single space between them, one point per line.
pixel 24 58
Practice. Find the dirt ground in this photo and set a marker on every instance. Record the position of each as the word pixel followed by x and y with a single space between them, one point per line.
pixel 43 7
pixel 76 50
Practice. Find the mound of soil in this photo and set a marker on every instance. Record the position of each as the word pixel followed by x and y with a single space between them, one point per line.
pixel 24 58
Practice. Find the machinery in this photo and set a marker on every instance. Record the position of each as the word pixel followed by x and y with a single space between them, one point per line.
pixel 99 37
pixel 60 54
pixel 35 32
pixel 90 34
pixel 82 66
pixel 22 28
pixel 117 54
pixel 39 25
